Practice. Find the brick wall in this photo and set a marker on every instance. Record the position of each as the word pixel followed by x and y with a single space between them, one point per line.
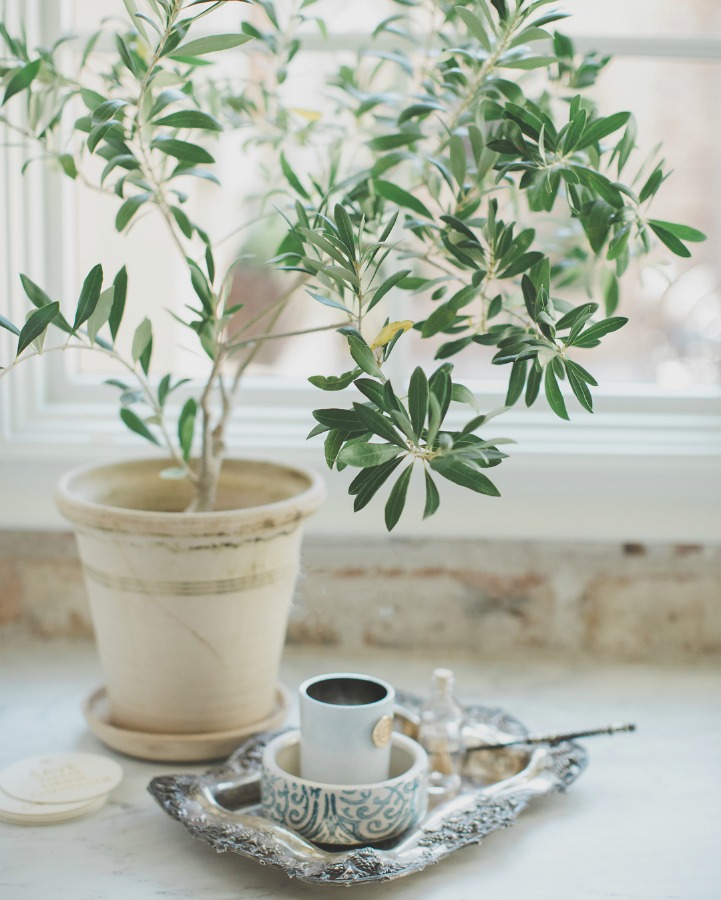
pixel 624 602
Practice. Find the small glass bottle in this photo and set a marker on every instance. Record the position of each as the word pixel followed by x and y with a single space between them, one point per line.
pixel 441 734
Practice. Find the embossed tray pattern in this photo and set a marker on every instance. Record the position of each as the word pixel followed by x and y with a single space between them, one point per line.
pixel 222 806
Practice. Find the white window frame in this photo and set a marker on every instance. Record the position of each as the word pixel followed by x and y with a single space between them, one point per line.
pixel 645 467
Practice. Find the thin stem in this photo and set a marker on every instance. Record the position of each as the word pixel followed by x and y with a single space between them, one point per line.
pixel 141 380
pixel 226 237
pixel 280 301
pixel 277 335
pixel 489 276
pixel 213 445
pixel 207 12
pixel 359 298
pixel 169 23
pixel 483 73
pixel 425 68
pixel 437 265
pixel 243 364
pixel 24 132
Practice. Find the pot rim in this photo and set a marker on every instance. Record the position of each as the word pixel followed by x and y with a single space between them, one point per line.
pixel 81 511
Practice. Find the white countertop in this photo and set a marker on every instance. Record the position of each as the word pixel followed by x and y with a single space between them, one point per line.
pixel 643 821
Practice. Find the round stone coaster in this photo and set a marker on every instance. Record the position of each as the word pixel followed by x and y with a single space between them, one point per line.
pixel 61 778
pixel 22 812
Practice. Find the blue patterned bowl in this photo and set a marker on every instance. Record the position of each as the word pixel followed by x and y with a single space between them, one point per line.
pixel 339 813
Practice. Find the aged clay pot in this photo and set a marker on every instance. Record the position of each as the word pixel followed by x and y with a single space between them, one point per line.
pixel 189 609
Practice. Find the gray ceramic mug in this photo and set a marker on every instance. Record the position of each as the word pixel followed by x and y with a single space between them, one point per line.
pixel 346 725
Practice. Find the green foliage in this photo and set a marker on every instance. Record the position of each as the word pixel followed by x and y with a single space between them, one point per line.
pixel 436 169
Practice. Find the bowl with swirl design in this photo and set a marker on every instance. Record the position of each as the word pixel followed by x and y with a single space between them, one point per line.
pixel 341 814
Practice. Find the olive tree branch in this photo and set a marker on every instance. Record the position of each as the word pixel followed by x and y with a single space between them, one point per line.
pixel 140 378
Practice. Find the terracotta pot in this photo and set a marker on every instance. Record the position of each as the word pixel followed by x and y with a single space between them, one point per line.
pixel 189 609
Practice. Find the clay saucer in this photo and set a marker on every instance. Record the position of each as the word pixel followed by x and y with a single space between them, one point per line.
pixel 195 747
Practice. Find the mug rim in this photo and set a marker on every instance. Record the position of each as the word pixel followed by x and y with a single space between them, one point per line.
pixel 351 676
pixel 415 771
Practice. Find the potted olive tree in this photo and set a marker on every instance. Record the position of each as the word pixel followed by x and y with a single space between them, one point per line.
pixel 447 156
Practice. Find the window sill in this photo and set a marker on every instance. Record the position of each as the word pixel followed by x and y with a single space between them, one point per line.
pixel 643 468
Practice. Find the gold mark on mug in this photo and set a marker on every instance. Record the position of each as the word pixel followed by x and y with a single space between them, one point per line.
pixel 383 731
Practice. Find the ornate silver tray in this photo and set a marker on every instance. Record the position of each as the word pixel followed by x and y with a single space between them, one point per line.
pixel 222 806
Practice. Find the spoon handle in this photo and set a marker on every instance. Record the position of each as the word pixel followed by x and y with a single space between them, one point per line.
pixel 553 738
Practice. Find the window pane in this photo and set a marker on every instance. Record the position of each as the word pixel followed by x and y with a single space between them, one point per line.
pixel 674 335
pixel 643 18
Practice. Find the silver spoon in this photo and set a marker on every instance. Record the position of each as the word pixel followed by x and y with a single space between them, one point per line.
pixel 552 738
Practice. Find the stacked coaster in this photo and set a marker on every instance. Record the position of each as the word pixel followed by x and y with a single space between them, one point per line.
pixel 44 790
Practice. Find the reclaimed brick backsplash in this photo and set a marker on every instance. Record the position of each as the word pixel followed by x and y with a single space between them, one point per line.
pixel 612 602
